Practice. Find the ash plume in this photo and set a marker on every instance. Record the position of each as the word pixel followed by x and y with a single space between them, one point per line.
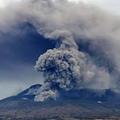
pixel 87 44
pixel 67 68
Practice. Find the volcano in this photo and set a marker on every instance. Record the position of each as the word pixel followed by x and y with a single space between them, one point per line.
pixel 74 104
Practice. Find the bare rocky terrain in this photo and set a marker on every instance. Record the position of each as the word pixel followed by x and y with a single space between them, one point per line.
pixel 73 105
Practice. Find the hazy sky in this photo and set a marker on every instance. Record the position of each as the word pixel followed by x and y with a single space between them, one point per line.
pixel 18 56
pixel 109 5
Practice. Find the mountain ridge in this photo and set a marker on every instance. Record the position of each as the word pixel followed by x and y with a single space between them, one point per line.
pixel 70 104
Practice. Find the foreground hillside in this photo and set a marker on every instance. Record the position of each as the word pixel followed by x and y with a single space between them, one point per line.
pixel 73 105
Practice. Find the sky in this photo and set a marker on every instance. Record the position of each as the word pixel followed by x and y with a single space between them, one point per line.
pixel 20 49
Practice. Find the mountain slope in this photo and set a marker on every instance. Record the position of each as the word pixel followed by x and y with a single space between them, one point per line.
pixel 70 104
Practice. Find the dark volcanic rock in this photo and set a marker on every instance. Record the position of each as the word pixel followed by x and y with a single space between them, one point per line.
pixel 79 104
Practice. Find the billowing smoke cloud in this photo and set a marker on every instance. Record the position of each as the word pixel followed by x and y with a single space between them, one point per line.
pixel 87 44
pixel 67 68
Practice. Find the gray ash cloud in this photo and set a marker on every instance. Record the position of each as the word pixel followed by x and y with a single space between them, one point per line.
pixel 87 44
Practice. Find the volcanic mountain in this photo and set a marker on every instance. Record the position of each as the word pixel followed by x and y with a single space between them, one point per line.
pixel 74 104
